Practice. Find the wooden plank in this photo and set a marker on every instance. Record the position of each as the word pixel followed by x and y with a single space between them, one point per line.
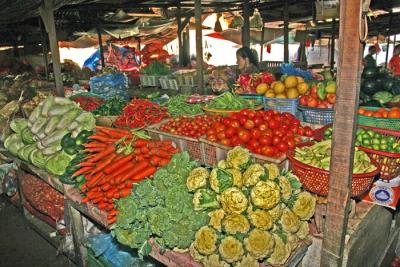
pixel 286 32
pixel 332 62
pixel 47 14
pixel 388 38
pixel 199 46
pixel 349 64
pixel 262 43
pixel 246 24
pixel 180 29
pixel 186 47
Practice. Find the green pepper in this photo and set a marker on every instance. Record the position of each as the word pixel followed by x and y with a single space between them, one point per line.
pixel 321 92
pixel 80 140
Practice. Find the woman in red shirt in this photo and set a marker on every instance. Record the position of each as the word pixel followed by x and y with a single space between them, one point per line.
pixel 394 63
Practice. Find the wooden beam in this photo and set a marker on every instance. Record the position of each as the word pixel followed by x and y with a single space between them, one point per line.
pixel 199 45
pixel 45 49
pixel 286 32
pixel 246 24
pixel 186 46
pixel 332 63
pixel 388 36
pixel 180 42
pixel 344 125
pixel 100 47
pixel 46 10
pixel 262 43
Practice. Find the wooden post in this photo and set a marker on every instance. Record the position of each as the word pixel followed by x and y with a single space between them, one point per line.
pixel 186 46
pixel 246 24
pixel 262 43
pixel 46 13
pixel 344 125
pixel 388 36
pixel 286 32
pixel 180 42
pixel 100 47
pixel 45 49
pixel 333 45
pixel 199 45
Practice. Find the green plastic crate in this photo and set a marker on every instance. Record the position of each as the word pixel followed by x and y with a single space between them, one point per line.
pixel 384 123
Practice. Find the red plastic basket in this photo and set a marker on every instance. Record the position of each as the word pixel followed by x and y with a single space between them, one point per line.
pixel 316 180
pixel 388 162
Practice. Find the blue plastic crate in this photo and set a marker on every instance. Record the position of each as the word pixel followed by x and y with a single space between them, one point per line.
pixel 281 104
pixel 317 115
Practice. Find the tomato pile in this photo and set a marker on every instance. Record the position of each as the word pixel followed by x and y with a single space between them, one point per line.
pixel 269 133
pixel 89 103
pixel 190 126
pixel 139 113
pixel 393 113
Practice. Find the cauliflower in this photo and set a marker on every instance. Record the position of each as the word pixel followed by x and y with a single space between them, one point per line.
pixel 237 177
pixel 205 240
pixel 304 206
pixel 276 212
pixel 273 170
pixel 252 175
pixel 233 200
pixel 222 164
pixel 237 157
pixel 220 180
pixel 289 221
pixel 197 179
pixel 205 199
pixel 266 194
pixel 286 187
pixel 195 254
pixel 261 219
pixel 214 261
pixel 281 252
pixel 303 230
pixel 248 261
pixel 259 243
pixel 236 223
pixel 216 217
pixel 231 249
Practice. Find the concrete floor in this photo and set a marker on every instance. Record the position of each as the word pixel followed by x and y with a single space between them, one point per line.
pixel 21 246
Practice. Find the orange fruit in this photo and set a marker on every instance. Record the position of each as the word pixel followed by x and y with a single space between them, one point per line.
pixel 361 111
pixel 302 88
pixel 385 114
pixel 394 113
pixel 381 110
pixel 291 81
pixel 368 113
pixel 378 115
pixel 279 88
pixel 292 93
pixel 262 88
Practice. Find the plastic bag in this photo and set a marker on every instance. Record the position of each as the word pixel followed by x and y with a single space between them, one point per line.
pixel 289 69
pixel 110 85
pixel 100 243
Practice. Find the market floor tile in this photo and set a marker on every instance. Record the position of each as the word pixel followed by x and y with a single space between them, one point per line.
pixel 21 246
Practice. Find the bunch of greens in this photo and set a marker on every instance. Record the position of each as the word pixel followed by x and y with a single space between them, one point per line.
pixel 229 101
pixel 156 68
pixel 177 106
pixel 113 107
pixel 161 208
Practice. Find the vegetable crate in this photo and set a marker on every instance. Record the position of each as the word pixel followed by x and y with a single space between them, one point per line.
pixel 169 84
pixel 183 143
pixel 148 80
pixel 384 123
pixel 316 180
pixel 388 162
pixel 317 115
pixel 281 104
pixel 214 152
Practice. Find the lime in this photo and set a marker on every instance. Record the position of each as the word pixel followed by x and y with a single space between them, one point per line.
pixel 366 142
pixel 376 146
pixel 391 149
pixel 377 135
pixel 370 133
pixel 383 147
pixel 383 141
pixel 391 139
pixel 361 131
pixel 366 136
pixel 397 149
pixel 360 138
pixel 358 143
pixel 376 141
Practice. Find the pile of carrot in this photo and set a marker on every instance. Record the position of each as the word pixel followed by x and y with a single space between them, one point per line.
pixel 116 160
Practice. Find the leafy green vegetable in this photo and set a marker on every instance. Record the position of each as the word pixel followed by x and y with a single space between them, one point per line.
pixel 58 163
pixel 156 68
pixel 382 96
pixel 25 152
pixel 229 101
pixel 162 208
pixel 38 159
pixel 18 124
pixel 27 136
pixel 177 106
pixel 113 107
pixel 13 143
pixel 205 199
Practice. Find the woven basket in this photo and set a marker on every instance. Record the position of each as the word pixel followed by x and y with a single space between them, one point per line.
pixel 321 116
pixel 316 180
pixel 384 123
pixel 281 104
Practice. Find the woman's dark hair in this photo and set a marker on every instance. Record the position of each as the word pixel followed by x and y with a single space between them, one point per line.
pixel 372 49
pixel 246 52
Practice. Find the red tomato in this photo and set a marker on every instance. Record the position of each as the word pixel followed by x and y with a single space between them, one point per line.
pixel 312 102
pixel 276 140
pixel 221 135
pixel 242 120
pixel 219 127
pixel 291 143
pixel 303 100
pixel 289 134
pixel 244 135
pixel 283 147
pixel 244 112
pixel 273 124
pixel 212 138
pixel 308 131
pixel 253 143
pixel 285 127
pixel 235 141
pixel 300 131
pixel 279 132
pixel 269 113
pixel 234 116
pixel 211 131
pixel 258 121
pixel 265 140
pixel 230 132
pixel 251 114
pixel 249 124
pixel 268 151
pixel 269 133
pixel 258 150
pixel 235 124
pixel 226 121
pixel 262 127
pixel 225 142
pixel 255 133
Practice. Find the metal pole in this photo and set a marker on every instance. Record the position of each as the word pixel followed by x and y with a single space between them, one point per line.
pixel 246 24
pixel 100 46
pixel 388 36
pixel 45 49
pixel 333 45
pixel 286 32
pixel 199 45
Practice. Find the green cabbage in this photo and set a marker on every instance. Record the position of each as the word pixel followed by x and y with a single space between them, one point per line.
pixel 17 125
pixel 58 163
pixel 38 159
pixel 27 136
pixel 13 143
pixel 25 152
pixel 382 96
pixel 395 99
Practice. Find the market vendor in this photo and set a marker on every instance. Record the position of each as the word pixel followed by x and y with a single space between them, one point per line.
pixel 369 60
pixel 394 63
pixel 246 60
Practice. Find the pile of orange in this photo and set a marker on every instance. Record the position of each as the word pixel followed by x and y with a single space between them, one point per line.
pixel 393 113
